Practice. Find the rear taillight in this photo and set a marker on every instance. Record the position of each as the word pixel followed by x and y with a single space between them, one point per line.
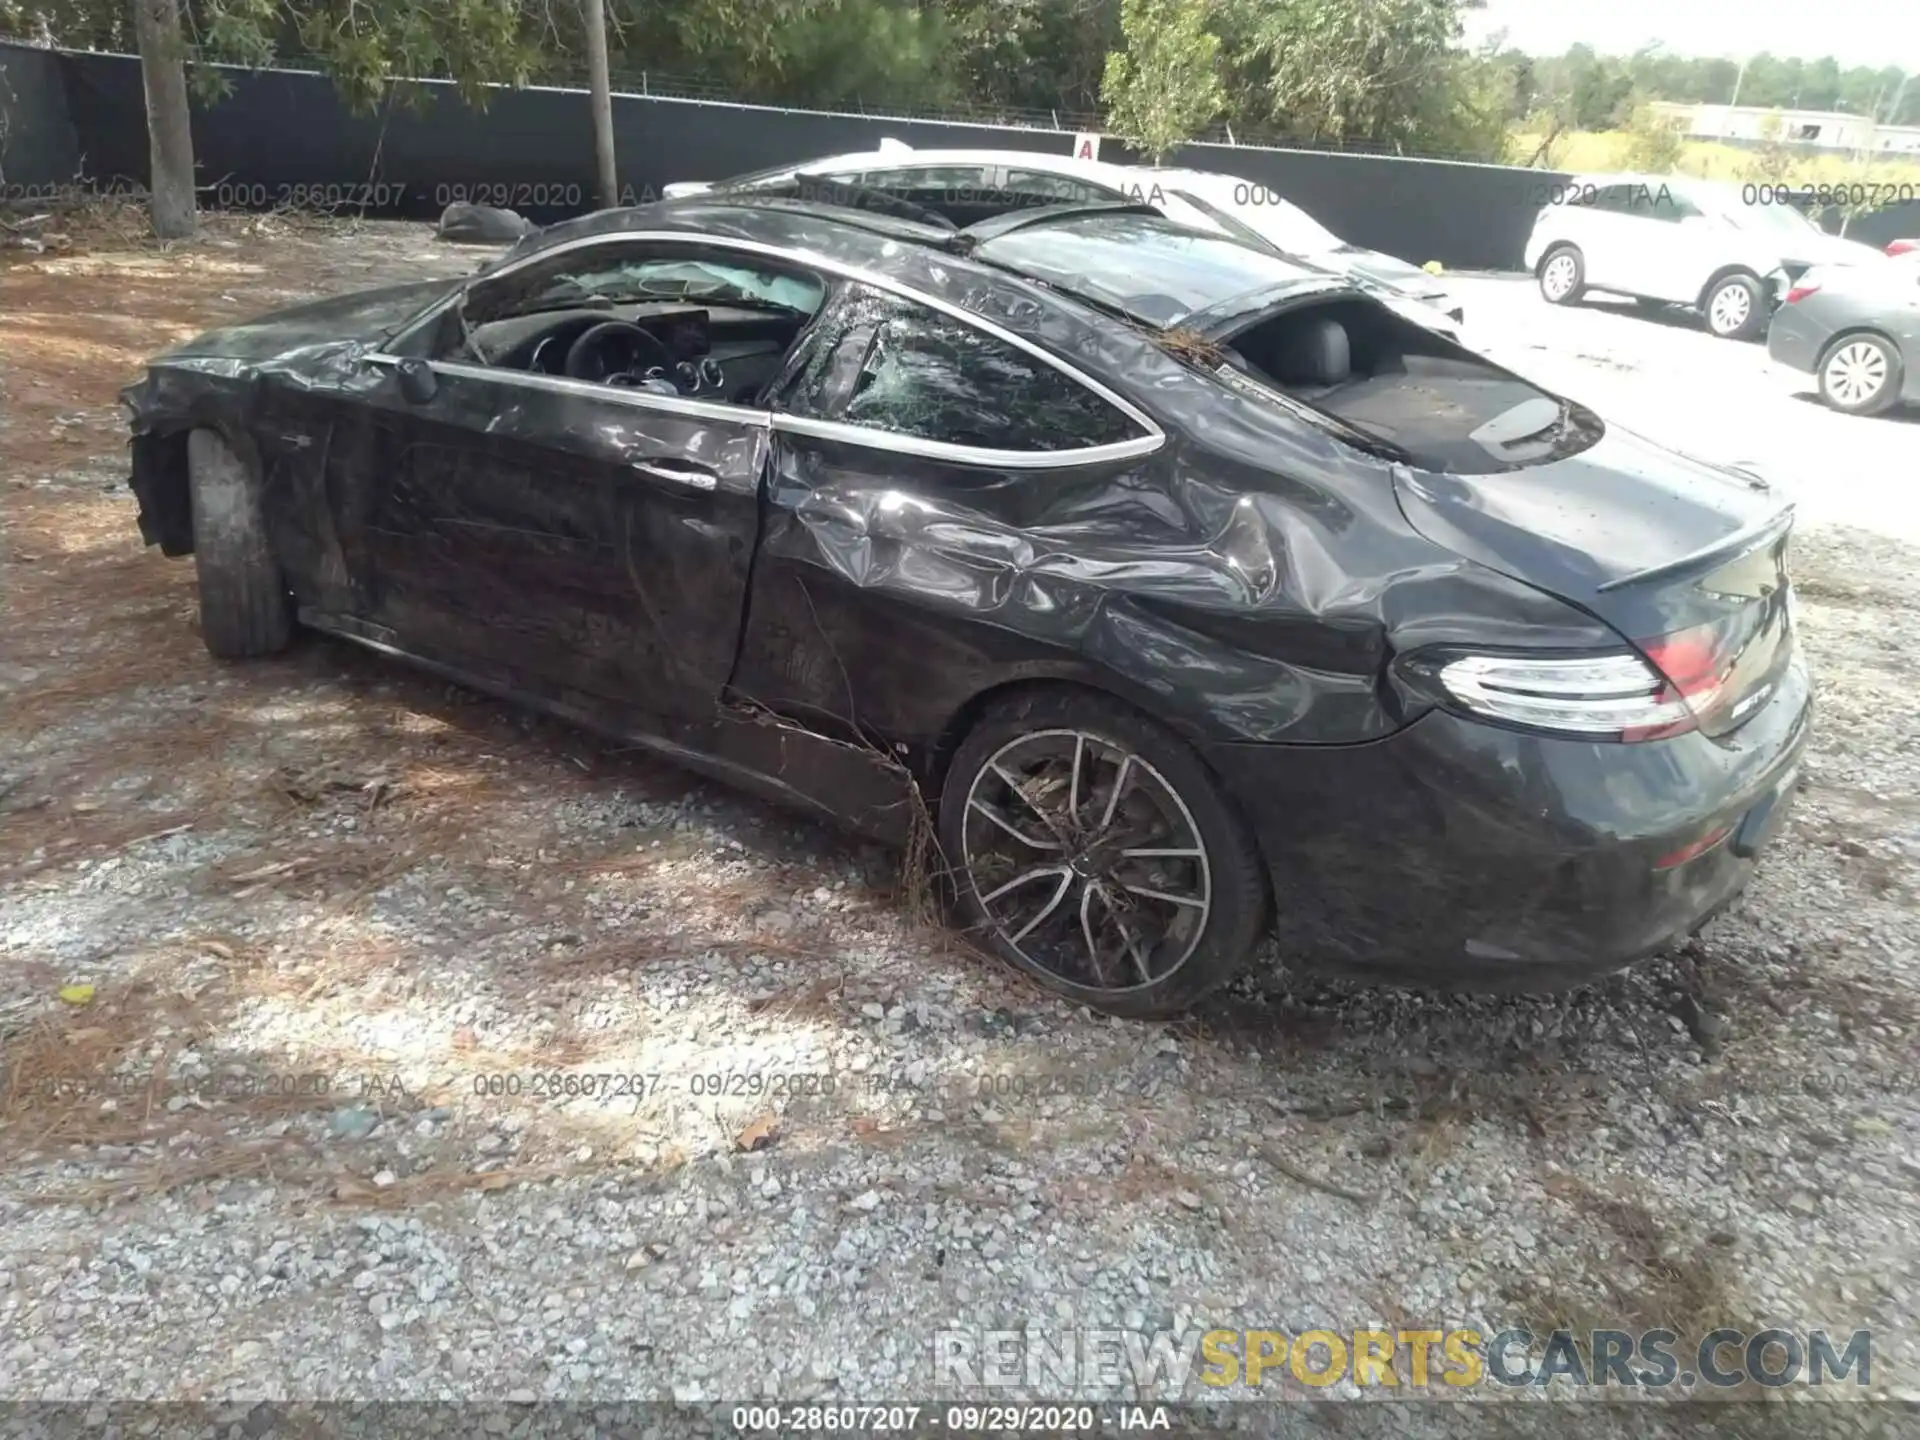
pixel 1903 247
pixel 1698 666
pixel 1614 695
pixel 1801 292
pixel 1674 683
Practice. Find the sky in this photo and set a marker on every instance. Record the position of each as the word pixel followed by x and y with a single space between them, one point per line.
pixel 1854 32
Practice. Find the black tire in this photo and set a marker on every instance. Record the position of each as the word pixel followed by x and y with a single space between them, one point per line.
pixel 244 606
pixel 1193 954
pixel 1729 315
pixel 1553 267
pixel 1863 356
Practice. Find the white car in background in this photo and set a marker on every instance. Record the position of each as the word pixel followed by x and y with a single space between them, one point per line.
pixel 1295 233
pixel 970 185
pixel 1729 251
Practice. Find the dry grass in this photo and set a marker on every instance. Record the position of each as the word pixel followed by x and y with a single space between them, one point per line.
pixel 1602 152
pixel 135 733
pixel 1655 1278
pixel 102 1073
pixel 325 779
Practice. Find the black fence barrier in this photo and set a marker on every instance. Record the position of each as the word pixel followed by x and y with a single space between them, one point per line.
pixel 283 138
pixel 39 147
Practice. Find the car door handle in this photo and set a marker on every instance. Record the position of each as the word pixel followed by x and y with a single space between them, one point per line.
pixel 679 472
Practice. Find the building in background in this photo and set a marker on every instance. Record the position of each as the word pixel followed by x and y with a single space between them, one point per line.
pixel 1810 129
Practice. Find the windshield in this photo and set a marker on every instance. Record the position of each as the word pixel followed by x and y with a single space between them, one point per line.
pixel 783 172
pixel 683 280
pixel 1239 229
pixel 1146 266
pixel 1276 219
pixel 1725 203
pixel 1781 219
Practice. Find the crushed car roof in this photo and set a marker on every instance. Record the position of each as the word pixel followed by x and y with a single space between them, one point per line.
pixel 932 258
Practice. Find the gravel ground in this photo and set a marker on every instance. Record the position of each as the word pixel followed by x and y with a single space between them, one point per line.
pixel 349 932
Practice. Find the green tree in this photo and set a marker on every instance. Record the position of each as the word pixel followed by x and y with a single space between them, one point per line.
pixel 1384 73
pixel 1773 160
pixel 365 45
pixel 1654 147
pixel 1164 87
pixel 1032 54
pixel 825 53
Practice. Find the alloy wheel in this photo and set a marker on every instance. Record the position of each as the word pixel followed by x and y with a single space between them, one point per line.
pixel 1731 306
pixel 1558 278
pixel 1855 373
pixel 1086 861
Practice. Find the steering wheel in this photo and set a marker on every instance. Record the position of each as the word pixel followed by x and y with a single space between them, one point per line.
pixel 616 351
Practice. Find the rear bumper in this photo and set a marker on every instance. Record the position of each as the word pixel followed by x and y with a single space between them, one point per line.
pixel 1455 853
pixel 1794 340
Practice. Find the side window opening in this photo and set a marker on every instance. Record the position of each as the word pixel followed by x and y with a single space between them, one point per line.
pixel 886 363
pixel 698 321
pixel 1439 404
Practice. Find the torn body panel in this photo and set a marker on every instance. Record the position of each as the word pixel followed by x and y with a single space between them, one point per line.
pixel 1249 586
pixel 798 588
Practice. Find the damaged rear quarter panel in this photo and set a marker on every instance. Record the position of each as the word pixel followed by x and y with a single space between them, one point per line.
pixel 1247 582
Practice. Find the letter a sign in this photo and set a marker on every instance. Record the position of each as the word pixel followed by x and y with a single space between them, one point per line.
pixel 1086 146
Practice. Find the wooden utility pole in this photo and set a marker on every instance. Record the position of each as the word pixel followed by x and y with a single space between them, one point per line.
pixel 163 70
pixel 602 100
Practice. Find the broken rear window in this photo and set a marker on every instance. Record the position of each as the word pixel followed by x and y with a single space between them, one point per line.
pixel 1436 403
pixel 1150 268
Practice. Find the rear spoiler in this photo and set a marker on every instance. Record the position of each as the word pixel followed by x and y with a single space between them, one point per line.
pixel 1749 537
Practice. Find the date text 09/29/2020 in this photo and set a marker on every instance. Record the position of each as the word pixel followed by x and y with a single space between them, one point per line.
pixel 949 1419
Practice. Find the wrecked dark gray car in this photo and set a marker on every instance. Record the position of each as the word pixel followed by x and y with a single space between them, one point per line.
pixel 1195 594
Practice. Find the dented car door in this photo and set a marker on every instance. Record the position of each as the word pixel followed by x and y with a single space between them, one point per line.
pixel 573 541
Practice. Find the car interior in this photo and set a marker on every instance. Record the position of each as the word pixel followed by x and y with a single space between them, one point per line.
pixel 672 325
pixel 1442 406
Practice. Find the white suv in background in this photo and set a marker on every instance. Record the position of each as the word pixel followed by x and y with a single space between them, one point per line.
pixel 1718 248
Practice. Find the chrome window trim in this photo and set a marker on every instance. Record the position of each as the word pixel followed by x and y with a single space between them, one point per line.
pixel 809 260
pixel 619 395
pixel 898 444
pixel 839 430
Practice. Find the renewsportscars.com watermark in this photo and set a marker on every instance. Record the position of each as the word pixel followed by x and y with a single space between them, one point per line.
pixel 1193 1363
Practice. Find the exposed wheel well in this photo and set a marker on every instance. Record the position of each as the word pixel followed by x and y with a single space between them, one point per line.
pixel 940 755
pixel 159 481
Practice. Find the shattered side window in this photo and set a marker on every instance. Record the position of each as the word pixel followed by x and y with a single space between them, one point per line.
pixel 926 374
pixel 823 368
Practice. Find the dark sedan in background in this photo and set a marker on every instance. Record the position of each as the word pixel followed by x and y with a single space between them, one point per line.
pixel 1857 330
pixel 1196 594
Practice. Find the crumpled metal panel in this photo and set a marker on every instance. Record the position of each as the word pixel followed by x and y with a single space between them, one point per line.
pixel 1248 582
pixel 890 591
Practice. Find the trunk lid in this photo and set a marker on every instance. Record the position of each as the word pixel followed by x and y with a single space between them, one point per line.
pixel 1685 559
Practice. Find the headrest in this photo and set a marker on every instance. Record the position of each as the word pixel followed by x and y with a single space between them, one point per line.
pixel 1316 352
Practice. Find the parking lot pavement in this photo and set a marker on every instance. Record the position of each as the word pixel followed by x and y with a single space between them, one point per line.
pixel 1663 375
